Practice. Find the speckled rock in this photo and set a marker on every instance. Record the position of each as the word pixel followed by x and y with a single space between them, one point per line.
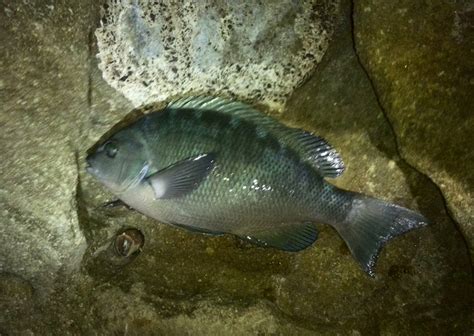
pixel 259 51
pixel 421 61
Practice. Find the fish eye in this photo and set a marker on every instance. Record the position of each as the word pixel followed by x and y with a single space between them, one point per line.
pixel 111 149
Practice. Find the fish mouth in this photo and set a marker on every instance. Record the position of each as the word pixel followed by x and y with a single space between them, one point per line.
pixel 89 168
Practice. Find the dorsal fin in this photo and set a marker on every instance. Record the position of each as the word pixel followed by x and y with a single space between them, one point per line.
pixel 316 151
pixel 218 104
pixel 312 149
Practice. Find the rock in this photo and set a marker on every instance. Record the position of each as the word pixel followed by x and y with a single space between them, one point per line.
pixel 133 314
pixel 16 296
pixel 44 98
pixel 420 60
pixel 416 272
pixel 58 272
pixel 257 51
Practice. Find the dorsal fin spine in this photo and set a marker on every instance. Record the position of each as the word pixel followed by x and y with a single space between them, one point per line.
pixel 312 149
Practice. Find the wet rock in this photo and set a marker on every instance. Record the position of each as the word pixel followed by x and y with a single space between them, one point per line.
pixel 259 51
pixel 420 60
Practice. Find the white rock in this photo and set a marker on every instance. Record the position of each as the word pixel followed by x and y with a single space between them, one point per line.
pixel 257 51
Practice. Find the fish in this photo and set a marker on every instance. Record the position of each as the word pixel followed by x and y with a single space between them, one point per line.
pixel 219 166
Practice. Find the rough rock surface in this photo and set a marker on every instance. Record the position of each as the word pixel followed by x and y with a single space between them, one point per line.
pixel 146 48
pixel 420 59
pixel 43 94
pixel 185 283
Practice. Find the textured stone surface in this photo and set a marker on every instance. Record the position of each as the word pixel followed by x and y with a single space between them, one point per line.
pixel 185 283
pixel 259 51
pixel 420 58
pixel 43 94
pixel 416 272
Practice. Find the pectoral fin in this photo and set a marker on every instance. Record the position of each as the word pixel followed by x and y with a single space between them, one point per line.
pixel 182 177
pixel 292 237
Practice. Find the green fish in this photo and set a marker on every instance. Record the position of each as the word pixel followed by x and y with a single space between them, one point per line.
pixel 217 166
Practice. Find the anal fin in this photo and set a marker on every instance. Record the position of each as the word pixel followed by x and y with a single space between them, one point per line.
pixel 291 237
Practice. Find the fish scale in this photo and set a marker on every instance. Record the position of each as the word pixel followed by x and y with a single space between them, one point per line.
pixel 250 154
pixel 212 165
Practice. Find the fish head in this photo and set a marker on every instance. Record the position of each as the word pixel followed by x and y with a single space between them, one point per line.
pixel 120 162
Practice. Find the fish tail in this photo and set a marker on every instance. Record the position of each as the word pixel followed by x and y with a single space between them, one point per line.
pixel 371 223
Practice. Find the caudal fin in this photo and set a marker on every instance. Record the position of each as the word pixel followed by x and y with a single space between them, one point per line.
pixel 371 223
